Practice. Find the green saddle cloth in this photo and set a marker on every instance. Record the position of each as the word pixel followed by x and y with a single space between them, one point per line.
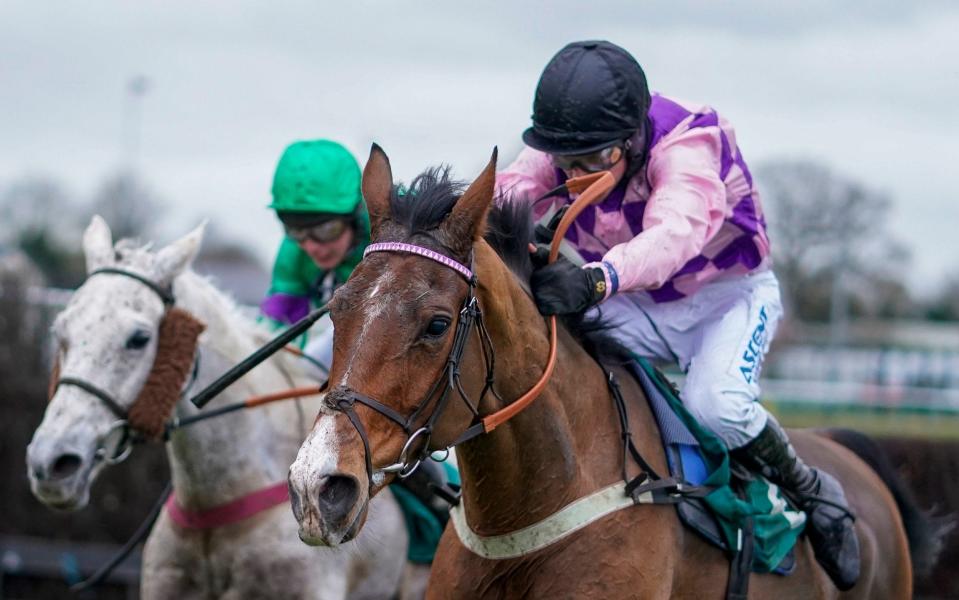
pixel 424 526
pixel 776 524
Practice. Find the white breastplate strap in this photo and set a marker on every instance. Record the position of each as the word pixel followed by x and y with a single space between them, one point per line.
pixel 553 528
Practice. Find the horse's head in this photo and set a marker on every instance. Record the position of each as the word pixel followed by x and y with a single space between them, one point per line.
pixel 396 321
pixel 106 342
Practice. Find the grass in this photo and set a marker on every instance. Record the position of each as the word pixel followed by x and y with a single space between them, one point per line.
pixel 877 421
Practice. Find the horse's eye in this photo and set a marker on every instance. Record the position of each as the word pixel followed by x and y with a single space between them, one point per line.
pixel 437 326
pixel 138 340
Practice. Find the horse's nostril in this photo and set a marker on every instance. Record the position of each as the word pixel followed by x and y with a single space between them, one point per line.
pixel 65 466
pixel 295 503
pixel 337 496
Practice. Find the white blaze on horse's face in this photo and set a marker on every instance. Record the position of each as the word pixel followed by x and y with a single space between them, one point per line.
pixel 106 336
pixel 317 457
pixel 375 305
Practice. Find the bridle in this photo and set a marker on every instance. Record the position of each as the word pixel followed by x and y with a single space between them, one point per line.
pixel 129 435
pixel 126 433
pixel 343 399
pixel 122 428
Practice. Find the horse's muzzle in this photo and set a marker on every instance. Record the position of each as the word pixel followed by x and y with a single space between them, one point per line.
pixel 329 512
pixel 59 477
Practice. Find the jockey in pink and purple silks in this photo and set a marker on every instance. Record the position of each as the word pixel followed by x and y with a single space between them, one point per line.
pixel 676 258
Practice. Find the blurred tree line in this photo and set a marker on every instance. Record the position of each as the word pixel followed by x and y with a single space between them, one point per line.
pixel 45 221
pixel 832 248
pixel 41 227
pixel 833 251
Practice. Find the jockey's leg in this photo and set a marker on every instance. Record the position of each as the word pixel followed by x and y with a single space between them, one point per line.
pixel 819 494
pixel 722 391
pixel 639 324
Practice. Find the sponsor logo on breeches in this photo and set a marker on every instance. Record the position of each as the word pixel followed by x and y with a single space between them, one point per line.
pixel 753 356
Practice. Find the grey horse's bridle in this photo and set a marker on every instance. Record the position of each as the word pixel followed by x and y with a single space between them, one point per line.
pixel 120 431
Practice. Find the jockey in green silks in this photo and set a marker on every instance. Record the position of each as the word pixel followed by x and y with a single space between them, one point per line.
pixel 316 195
pixel 317 198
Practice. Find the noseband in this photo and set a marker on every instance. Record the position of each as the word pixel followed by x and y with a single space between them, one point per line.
pixel 127 436
pixel 591 188
pixel 343 399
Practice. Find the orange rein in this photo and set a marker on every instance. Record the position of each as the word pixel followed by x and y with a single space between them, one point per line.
pixel 262 399
pixel 592 187
pixel 289 394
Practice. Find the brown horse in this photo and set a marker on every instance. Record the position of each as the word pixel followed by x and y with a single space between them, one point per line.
pixel 395 321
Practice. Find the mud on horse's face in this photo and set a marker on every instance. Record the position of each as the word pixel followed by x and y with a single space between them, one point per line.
pixel 106 337
pixel 395 325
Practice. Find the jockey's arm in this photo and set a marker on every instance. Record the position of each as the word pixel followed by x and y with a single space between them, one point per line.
pixel 685 210
pixel 288 298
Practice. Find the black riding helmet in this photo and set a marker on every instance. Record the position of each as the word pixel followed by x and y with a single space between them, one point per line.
pixel 591 94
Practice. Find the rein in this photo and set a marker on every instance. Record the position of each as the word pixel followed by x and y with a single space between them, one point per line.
pixel 128 435
pixel 134 424
pixel 128 431
pixel 591 187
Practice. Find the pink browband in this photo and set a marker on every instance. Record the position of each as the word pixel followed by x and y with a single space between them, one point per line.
pixel 410 248
pixel 229 513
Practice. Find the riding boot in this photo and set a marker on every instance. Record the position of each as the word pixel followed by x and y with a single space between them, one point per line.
pixel 425 479
pixel 818 494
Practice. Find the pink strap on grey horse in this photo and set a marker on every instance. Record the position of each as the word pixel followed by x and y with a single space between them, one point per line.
pixel 413 249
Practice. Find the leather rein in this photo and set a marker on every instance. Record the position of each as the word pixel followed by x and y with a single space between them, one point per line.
pixel 591 188
pixel 128 436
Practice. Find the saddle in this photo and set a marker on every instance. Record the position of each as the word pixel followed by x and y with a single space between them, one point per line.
pixel 686 462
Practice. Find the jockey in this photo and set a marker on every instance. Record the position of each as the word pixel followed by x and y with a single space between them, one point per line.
pixel 317 198
pixel 676 256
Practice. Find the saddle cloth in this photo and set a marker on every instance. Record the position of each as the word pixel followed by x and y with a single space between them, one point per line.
pixel 697 456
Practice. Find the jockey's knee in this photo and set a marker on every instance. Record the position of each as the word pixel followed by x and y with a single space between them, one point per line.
pixel 730 412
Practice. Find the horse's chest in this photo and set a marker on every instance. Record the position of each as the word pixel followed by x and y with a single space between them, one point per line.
pixel 260 559
pixel 631 554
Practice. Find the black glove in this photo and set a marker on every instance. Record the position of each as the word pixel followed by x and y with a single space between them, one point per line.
pixel 563 288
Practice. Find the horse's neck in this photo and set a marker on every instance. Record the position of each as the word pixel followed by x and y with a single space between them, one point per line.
pixel 225 457
pixel 563 446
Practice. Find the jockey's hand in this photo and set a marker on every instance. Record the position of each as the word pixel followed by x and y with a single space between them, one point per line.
pixel 563 288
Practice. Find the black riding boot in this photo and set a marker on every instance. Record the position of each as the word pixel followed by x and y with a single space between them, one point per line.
pixel 423 482
pixel 829 521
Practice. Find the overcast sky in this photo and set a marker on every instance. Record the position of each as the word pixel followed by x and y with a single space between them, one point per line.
pixel 869 88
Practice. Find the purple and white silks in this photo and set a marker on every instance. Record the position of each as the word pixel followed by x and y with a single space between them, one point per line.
pixel 690 216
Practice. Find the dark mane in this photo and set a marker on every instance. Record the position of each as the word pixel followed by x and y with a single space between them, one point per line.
pixel 418 209
pixel 509 232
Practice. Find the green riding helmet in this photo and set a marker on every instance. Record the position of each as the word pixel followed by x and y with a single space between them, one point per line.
pixel 321 178
pixel 317 176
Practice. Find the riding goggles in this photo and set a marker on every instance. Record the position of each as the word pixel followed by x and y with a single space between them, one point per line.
pixel 321 233
pixel 593 162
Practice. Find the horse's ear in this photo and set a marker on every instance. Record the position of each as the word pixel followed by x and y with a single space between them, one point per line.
pixel 173 259
pixel 467 220
pixel 98 244
pixel 377 186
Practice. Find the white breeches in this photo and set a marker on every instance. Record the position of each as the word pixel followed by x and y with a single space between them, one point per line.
pixel 718 336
